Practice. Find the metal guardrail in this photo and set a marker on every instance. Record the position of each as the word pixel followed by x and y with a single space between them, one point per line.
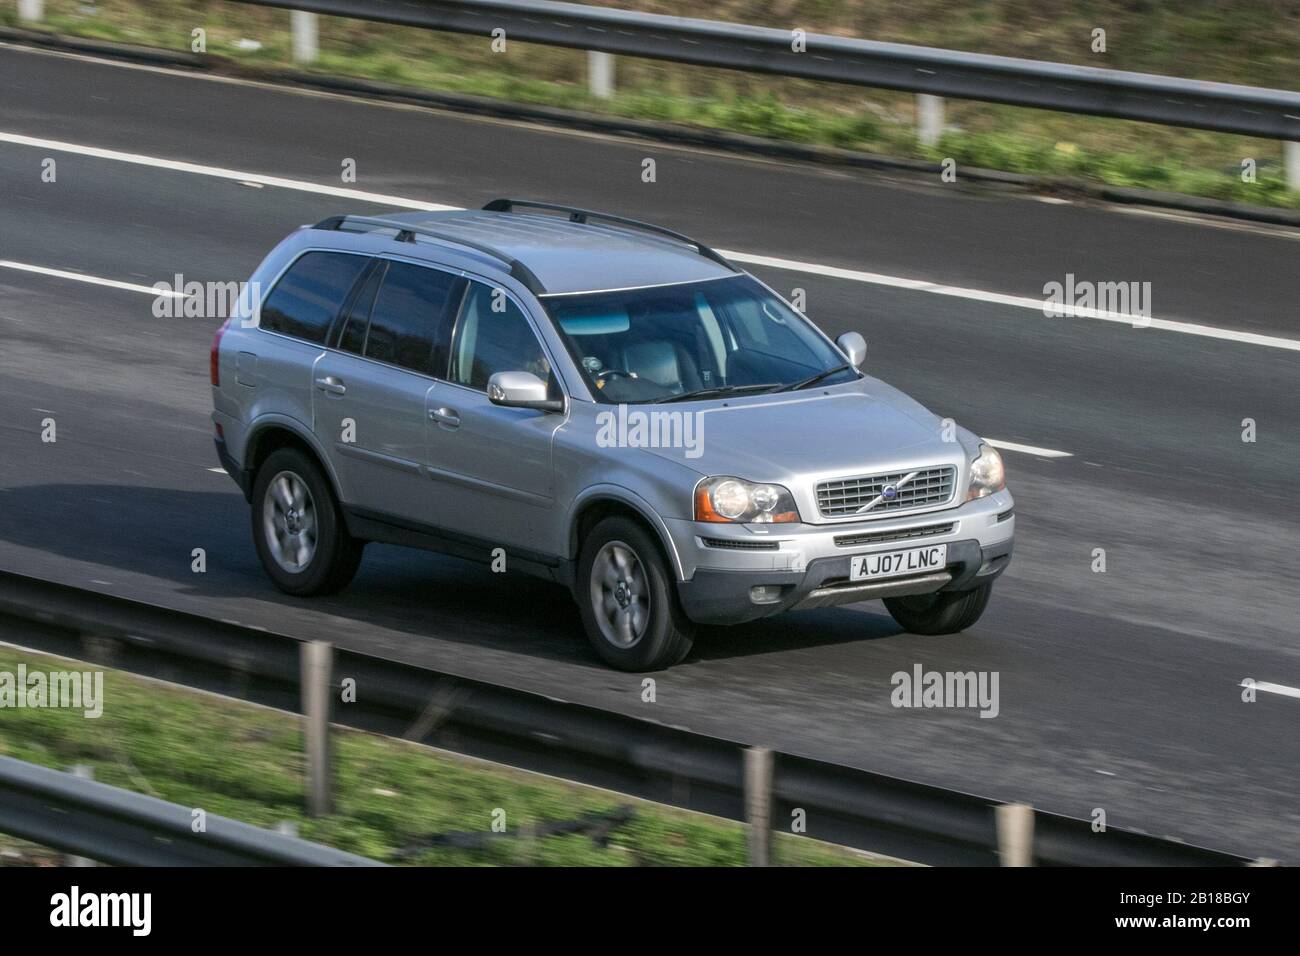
pixel 1171 101
pixel 670 765
pixel 123 828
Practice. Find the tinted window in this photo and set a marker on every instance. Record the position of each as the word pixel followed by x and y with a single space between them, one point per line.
pixel 352 338
pixel 308 296
pixel 407 314
pixel 492 335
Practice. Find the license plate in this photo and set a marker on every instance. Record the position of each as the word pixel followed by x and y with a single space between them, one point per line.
pixel 889 564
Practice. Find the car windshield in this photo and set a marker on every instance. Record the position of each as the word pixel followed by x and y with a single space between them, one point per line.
pixel 714 337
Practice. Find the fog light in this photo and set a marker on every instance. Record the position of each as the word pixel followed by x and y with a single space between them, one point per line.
pixel 765 593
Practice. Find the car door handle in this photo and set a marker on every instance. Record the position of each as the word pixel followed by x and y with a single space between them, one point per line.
pixel 332 385
pixel 445 416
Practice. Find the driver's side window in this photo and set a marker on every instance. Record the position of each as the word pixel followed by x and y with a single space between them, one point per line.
pixel 492 335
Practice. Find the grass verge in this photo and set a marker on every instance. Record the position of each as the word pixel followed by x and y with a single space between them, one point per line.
pixel 245 762
pixel 1252 44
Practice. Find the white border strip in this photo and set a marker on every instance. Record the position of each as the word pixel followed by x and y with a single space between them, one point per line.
pixel 1029 449
pixel 221 173
pixel 832 272
pixel 1016 301
pixel 1272 688
pixel 93 280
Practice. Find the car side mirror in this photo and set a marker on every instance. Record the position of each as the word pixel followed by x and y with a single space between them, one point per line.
pixel 854 347
pixel 521 390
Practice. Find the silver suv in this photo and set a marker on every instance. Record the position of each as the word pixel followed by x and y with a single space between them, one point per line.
pixel 604 403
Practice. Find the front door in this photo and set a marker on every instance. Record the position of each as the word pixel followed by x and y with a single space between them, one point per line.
pixel 491 465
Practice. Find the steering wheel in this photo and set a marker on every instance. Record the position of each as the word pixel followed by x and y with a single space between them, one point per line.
pixel 613 372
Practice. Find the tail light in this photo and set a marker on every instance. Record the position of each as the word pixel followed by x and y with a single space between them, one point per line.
pixel 214 360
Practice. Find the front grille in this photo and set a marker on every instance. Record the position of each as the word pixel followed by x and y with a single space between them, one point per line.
pixel 879 537
pixel 859 496
pixel 742 545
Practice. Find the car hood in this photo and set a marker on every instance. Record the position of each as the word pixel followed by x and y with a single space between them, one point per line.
pixel 802 437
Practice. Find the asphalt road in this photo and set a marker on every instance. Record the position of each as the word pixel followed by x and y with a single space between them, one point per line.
pixel 1119 690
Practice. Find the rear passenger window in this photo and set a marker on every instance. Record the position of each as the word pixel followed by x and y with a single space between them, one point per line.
pixel 408 314
pixel 308 296
pixel 353 336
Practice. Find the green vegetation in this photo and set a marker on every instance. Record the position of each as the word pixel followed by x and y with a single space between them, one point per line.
pixel 1256 42
pixel 245 762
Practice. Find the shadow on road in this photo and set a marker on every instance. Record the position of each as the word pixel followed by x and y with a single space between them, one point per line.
pixel 154 531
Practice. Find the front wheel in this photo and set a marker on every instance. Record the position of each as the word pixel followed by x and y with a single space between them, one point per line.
pixel 943 612
pixel 627 600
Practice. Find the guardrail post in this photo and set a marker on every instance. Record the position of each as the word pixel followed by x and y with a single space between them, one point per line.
pixel 758 804
pixel 306 36
pixel 929 119
pixel 600 74
pixel 32 11
pixel 317 658
pixel 1291 158
pixel 1015 834
pixel 86 772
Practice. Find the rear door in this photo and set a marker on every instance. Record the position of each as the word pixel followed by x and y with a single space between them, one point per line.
pixel 370 390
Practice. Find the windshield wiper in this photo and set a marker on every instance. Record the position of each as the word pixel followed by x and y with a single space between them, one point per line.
pixel 814 379
pixel 714 390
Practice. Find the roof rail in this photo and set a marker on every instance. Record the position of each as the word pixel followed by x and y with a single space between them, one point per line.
pixel 407 231
pixel 583 215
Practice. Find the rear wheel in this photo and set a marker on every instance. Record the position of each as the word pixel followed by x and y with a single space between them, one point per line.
pixel 298 527
pixel 627 600
pixel 943 612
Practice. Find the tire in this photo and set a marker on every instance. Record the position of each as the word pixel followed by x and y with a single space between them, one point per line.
pixel 943 612
pixel 620 570
pixel 320 557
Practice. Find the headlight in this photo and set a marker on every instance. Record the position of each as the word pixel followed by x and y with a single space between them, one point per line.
pixel 737 501
pixel 987 475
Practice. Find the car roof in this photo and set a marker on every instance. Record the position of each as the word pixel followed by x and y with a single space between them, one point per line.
pixel 567 256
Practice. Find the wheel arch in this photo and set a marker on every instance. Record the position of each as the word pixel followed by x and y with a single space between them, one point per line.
pixel 601 502
pixel 272 434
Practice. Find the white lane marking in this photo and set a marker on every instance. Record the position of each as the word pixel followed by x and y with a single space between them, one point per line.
pixel 1029 449
pixel 217 471
pixel 82 277
pixel 1271 688
pixel 1207 221
pixel 793 265
pixel 1016 301
pixel 221 173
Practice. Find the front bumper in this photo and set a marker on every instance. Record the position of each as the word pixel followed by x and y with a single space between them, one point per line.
pixel 809 568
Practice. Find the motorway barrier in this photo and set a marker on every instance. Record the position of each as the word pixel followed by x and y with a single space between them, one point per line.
pixel 1037 84
pixel 671 765
pixel 77 815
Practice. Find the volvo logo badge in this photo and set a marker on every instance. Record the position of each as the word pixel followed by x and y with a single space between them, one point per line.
pixel 889 492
